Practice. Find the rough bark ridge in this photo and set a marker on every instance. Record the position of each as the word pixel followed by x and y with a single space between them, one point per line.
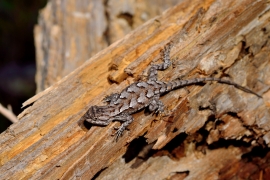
pixel 212 131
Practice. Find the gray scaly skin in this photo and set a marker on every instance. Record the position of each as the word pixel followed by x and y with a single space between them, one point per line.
pixel 143 94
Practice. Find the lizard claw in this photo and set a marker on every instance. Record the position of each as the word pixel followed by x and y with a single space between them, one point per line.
pixel 119 132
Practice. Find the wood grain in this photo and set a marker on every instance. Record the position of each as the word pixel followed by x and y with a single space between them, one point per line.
pixel 206 128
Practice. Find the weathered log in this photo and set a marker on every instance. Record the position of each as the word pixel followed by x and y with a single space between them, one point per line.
pixel 208 129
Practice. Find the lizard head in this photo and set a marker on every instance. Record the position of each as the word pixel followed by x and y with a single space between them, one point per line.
pixel 97 115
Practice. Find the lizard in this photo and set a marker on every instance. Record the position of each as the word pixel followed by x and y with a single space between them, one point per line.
pixel 142 94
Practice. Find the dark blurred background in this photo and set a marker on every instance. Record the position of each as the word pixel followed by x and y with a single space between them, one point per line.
pixel 17 53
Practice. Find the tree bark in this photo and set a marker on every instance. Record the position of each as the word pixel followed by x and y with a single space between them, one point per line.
pixel 209 131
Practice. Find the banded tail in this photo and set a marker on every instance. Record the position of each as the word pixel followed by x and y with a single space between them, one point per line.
pixel 177 83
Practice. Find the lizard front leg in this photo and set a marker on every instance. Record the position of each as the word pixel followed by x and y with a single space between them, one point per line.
pixel 127 119
pixel 104 120
pixel 111 98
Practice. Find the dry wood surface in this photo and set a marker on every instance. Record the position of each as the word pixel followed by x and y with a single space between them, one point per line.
pixel 209 131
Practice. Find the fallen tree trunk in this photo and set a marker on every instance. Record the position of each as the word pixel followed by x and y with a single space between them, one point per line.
pixel 208 130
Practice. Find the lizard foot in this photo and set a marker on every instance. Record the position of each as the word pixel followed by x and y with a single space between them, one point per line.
pixel 119 132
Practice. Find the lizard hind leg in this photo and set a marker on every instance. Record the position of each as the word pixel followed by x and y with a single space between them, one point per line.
pixel 156 105
pixel 165 54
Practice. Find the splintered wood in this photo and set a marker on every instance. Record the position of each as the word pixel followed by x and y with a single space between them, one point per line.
pixel 208 131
